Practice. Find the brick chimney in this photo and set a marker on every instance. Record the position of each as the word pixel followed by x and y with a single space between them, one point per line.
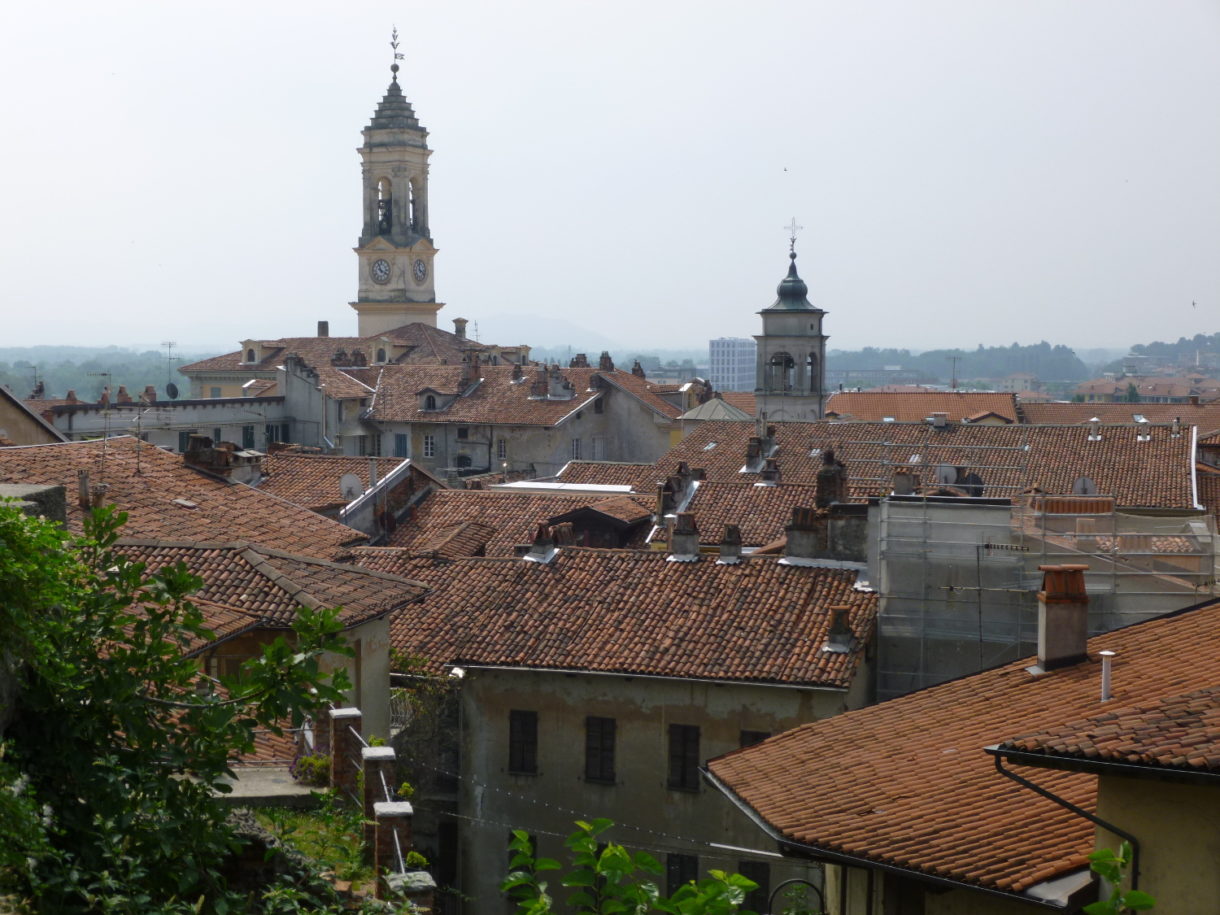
pixel 579 361
pixel 71 396
pixel 605 363
pixel 539 387
pixel 753 451
pixel 806 536
pixel 840 637
pixel 323 328
pixel 104 400
pixel 543 549
pixel 939 420
pixel 122 396
pixel 730 546
pixel 222 459
pixel 832 480
pixel 637 370
pixel 518 375
pixel 149 395
pixel 459 327
pixel 470 370
pixel 684 539
pixel 906 481
pixel 1063 616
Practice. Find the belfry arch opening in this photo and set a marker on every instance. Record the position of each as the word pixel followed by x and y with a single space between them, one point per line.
pixel 413 206
pixel 783 372
pixel 811 367
pixel 385 207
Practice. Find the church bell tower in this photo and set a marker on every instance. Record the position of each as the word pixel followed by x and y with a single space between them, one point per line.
pixel 395 252
pixel 790 382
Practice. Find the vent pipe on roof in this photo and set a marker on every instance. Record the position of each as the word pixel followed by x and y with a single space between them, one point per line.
pixel 323 328
pixel 1095 429
pixel 1063 616
pixel 1107 658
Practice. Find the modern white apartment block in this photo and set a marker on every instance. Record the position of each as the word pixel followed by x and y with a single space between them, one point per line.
pixel 732 363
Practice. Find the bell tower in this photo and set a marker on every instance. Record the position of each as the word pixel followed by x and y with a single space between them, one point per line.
pixel 395 252
pixel 790 380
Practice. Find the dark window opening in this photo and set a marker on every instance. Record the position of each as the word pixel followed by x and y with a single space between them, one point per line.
pixel 599 749
pixel 400 444
pixel 679 871
pixel 463 433
pixel 523 742
pixel 749 738
pixel 684 757
pixel 247 437
pixel 430 402
pixel 760 872
pixel 385 207
pixel 783 370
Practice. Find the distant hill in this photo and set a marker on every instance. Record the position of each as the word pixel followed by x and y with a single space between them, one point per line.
pixel 87 369
pixel 1048 363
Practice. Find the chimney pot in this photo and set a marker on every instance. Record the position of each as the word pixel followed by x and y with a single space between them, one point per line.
pixel 1107 658
pixel 770 472
pixel 1063 620
pixel 730 546
pixel 459 327
pixel 839 636
pixel 684 539
pixel 323 328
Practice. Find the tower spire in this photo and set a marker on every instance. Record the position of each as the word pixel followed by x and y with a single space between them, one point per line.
pixel 398 57
pixel 792 228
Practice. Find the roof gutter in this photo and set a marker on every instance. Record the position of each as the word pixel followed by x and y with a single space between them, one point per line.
pixel 1194 470
pixel 801 850
pixel 617 673
pixel 999 755
pixel 1105 767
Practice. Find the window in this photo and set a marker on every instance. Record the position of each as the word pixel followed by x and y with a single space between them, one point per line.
pixel 599 405
pixel 250 357
pixel 679 871
pixel 429 446
pixel 464 461
pixel 684 757
pixel 247 436
pixel 381 355
pixel 385 207
pixel 501 449
pixel 576 449
pixel 216 434
pixel 523 742
pixel 760 872
pixel 215 392
pixel 184 439
pixel 599 749
pixel 362 445
pixel 430 402
pixel 749 738
pixel 463 433
pixel 400 444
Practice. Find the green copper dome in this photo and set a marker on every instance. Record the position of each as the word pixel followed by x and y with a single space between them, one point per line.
pixel 792 291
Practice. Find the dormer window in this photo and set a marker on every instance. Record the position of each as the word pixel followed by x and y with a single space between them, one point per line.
pixel 430 402
pixel 250 356
pixel 381 354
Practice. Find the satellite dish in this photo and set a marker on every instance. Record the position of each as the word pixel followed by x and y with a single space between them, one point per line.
pixel 172 390
pixel 946 473
pixel 350 486
pixel 1083 486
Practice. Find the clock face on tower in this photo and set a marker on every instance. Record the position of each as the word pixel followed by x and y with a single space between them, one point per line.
pixel 380 271
pixel 420 269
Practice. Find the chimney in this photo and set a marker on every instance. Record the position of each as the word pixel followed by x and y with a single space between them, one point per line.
pixel 323 328
pixel 1107 663
pixel 71 396
pixel 939 420
pixel 770 473
pixel 753 450
pixel 557 386
pixel 806 536
pixel 579 361
pixel 730 546
pixel 222 460
pixel 1095 429
pixel 543 549
pixel 538 388
pixel 149 395
pixel 1063 616
pixel 832 480
pixel 840 636
pixel 470 370
pixel 637 370
pixel 82 489
pixel 684 539
pixel 1194 400
pixel 906 481
pixel 123 396
pixel 564 534
pixel 518 375
pixel 605 363
pixel 459 327
pixel 1176 429
pixel 104 400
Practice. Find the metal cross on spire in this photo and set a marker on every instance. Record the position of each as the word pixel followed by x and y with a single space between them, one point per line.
pixel 397 55
pixel 792 228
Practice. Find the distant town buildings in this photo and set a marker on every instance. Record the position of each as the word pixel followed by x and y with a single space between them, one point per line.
pixel 732 363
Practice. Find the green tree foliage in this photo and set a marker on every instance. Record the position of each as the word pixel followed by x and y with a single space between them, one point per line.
pixel 604 877
pixel 111 754
pixel 1048 363
pixel 86 370
pixel 1112 868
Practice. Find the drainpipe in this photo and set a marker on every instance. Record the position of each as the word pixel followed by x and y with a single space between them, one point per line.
pixel 1079 811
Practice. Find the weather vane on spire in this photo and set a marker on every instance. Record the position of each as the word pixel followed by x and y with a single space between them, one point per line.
pixel 792 228
pixel 397 55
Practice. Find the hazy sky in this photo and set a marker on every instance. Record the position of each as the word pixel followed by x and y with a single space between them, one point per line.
pixel 966 172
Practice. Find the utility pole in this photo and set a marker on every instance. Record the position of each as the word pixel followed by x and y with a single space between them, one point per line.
pixel 953 361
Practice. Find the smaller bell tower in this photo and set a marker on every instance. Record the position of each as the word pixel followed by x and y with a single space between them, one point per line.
pixel 395 253
pixel 790 380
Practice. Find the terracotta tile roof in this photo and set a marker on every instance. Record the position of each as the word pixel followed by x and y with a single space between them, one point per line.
pixel 270 749
pixel 645 391
pixel 602 473
pixel 494 400
pixel 428 345
pixel 513 516
pixel 312 480
pixel 452 541
pixel 742 400
pixel 1177 732
pixel 165 499
pixel 913 407
pixel 270 585
pixel 906 783
pixel 1009 459
pixel 1206 416
pixel 761 512
pixel 758 620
